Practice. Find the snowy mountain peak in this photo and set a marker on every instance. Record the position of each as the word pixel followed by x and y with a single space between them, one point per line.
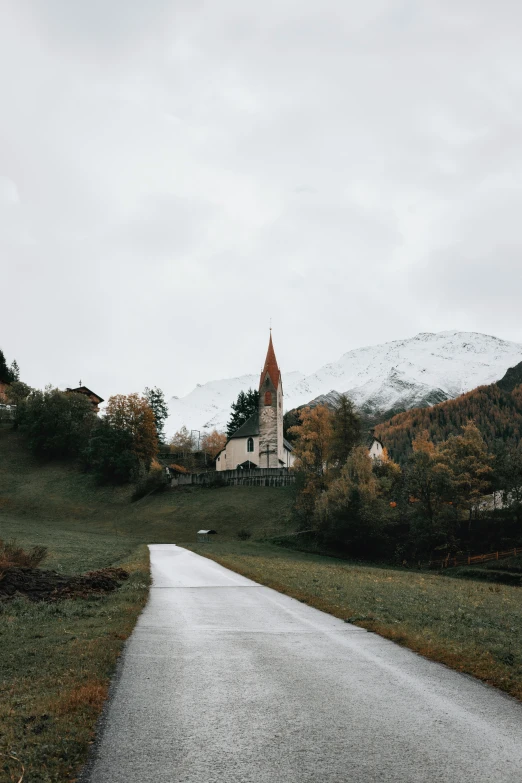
pixel 421 370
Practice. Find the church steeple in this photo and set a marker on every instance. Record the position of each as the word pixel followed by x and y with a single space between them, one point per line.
pixel 271 367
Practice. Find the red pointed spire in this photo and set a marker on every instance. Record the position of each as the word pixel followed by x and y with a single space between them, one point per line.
pixel 271 366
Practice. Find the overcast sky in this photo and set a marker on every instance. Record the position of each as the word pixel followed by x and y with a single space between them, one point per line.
pixel 175 173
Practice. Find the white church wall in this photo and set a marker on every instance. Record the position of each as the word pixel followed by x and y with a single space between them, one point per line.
pixel 236 453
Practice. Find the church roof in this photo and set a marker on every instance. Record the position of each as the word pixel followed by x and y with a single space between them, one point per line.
pixel 271 366
pixel 249 428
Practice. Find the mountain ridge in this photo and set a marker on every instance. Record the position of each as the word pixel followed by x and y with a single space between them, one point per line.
pixel 496 409
pixel 398 375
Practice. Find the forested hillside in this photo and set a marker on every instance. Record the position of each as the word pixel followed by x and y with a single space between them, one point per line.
pixel 496 410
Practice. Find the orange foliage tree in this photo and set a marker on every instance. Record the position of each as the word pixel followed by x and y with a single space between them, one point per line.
pixel 213 442
pixel 312 450
pixel 133 414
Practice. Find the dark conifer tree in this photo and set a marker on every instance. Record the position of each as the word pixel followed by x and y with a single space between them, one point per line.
pixel 243 408
pixel 156 400
pixel 5 372
pixel 346 429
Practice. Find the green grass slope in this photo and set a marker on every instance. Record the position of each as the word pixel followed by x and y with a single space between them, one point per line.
pixel 40 501
pixel 57 658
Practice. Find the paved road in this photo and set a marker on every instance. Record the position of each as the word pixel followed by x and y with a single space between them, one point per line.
pixel 225 680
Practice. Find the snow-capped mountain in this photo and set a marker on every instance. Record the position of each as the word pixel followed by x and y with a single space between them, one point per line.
pixel 422 370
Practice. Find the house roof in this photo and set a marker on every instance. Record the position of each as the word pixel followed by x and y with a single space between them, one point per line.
pixel 288 446
pixel 271 367
pixel 249 428
pixel 85 390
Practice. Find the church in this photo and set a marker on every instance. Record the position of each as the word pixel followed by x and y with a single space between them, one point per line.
pixel 259 442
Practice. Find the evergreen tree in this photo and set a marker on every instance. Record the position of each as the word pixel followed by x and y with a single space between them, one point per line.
pixel 15 371
pixel 110 454
pixel 156 400
pixel 242 409
pixel 5 372
pixel 346 430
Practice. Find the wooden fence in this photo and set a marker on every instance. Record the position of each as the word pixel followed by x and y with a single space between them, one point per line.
pixel 258 477
pixel 451 562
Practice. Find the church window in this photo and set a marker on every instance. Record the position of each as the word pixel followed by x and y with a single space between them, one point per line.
pixel 268 398
pixel 250 444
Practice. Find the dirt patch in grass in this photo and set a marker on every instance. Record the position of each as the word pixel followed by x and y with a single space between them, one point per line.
pixel 57 659
pixel 39 585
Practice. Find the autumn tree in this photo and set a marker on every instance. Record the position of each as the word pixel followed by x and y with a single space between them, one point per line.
pixel 428 479
pixel 181 441
pixel 158 405
pixel 346 430
pixel 350 513
pixel 467 459
pixel 312 450
pixel 133 414
pixel 508 478
pixel 313 440
pixel 213 442
pixel 243 408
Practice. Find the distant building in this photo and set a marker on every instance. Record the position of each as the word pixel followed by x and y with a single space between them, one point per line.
pixel 259 442
pixel 376 450
pixel 95 399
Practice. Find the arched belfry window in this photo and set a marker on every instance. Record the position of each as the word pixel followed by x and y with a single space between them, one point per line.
pixel 250 444
pixel 268 398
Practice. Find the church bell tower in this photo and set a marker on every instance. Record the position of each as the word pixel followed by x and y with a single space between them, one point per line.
pixel 271 448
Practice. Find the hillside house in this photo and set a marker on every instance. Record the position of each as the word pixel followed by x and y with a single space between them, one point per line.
pixel 95 399
pixel 376 450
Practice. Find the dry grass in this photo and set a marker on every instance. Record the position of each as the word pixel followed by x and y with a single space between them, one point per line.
pixel 88 695
pixel 470 626
pixel 55 668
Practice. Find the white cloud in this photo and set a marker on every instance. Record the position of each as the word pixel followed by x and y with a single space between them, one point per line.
pixel 173 174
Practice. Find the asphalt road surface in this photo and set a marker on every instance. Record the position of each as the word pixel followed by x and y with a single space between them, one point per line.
pixel 225 680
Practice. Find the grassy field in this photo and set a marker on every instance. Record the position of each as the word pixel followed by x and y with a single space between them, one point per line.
pixel 55 668
pixel 57 658
pixel 471 626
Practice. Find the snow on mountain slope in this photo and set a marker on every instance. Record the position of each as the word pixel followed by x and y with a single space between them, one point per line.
pixel 422 370
pixel 208 405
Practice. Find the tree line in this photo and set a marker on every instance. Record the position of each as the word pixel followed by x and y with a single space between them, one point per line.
pixel 495 409
pixel 456 495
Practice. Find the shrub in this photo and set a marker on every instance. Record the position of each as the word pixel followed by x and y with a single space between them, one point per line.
pixel 13 556
pixel 512 564
pixel 155 481
pixel 501 577
pixel 109 454
pixel 243 534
